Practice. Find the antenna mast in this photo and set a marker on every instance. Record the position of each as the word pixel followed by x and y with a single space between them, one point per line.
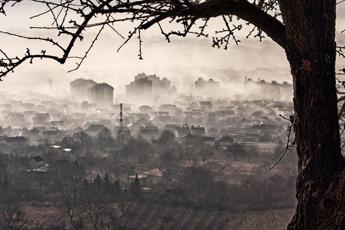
pixel 121 125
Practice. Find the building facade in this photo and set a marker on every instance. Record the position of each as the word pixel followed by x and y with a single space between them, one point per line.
pixel 79 89
pixel 102 94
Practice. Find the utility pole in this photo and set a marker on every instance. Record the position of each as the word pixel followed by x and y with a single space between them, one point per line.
pixel 121 125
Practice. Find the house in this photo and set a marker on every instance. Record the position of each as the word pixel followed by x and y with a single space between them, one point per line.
pixel 163 117
pixel 154 175
pixel 206 105
pixel 146 109
pixel 160 113
pixel 191 139
pixel 225 142
pixel 198 130
pixel 168 108
pixel 94 129
pixel 36 162
pixel 208 140
pixel 157 172
pixel 18 140
pixel 170 127
pixel 41 119
pixel 212 132
pixel 51 135
pixel 149 133
pixel 182 131
pixel 15 119
pixel 41 169
pixel 250 138
pixel 60 124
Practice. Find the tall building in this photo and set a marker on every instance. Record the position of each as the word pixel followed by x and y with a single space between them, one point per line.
pixel 80 89
pixel 146 88
pixel 140 89
pixel 102 94
pixel 203 86
pixel 268 90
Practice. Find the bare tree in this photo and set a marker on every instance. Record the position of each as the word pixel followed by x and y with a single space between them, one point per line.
pixel 70 203
pixel 101 216
pixel 304 29
pixel 12 218
pixel 83 209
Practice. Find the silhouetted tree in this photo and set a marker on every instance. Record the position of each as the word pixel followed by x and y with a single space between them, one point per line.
pixel 135 187
pixel 105 139
pixel 101 216
pixel 98 180
pixel 70 202
pixel 196 180
pixel 117 188
pixel 6 182
pixel 106 179
pixel 168 159
pixel 12 218
pixel 166 137
pixel 82 139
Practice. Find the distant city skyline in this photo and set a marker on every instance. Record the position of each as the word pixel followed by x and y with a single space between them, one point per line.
pixel 183 58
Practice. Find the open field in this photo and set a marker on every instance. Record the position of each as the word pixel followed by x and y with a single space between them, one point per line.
pixel 144 216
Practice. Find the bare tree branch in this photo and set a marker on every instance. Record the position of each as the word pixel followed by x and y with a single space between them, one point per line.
pixel 74 17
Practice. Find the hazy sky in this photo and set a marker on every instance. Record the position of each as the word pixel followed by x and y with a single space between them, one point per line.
pixel 183 58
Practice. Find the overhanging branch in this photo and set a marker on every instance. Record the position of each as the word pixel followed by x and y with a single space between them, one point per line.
pixel 144 14
pixel 241 8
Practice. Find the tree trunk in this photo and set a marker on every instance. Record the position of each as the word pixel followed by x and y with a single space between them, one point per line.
pixel 311 51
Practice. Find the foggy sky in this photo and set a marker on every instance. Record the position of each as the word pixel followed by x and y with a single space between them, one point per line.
pixel 182 59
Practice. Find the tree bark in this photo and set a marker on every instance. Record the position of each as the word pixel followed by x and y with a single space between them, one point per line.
pixel 311 51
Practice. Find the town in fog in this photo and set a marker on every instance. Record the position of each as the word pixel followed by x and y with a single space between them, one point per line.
pixel 172 115
pixel 160 150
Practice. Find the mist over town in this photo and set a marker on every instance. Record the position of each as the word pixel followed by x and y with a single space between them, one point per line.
pixel 210 149
pixel 172 115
